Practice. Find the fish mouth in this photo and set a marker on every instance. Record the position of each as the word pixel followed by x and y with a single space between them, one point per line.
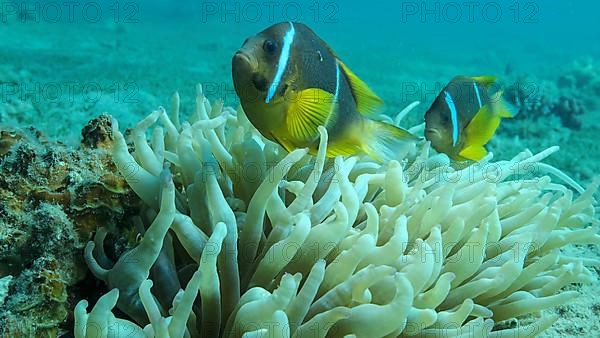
pixel 244 61
pixel 432 133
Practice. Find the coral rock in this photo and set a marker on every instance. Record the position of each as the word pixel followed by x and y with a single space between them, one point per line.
pixel 52 198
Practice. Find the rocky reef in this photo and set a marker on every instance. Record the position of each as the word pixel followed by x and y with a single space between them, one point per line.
pixel 560 110
pixel 52 198
pixel 566 98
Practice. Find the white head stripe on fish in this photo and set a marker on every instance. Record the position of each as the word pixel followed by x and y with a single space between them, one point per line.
pixel 284 57
pixel 453 117
pixel 477 93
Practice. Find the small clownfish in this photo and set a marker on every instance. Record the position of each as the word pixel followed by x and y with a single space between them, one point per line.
pixel 465 116
pixel 290 82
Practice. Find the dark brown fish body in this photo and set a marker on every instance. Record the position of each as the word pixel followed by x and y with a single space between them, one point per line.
pixel 462 89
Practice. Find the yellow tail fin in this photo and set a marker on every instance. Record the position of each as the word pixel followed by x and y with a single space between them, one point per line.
pixel 501 108
pixel 384 142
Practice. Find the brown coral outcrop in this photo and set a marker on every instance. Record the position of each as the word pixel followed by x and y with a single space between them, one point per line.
pixel 52 197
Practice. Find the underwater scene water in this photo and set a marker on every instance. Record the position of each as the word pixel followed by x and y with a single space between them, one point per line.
pixel 451 191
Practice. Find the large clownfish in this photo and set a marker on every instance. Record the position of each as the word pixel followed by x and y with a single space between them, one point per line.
pixel 290 82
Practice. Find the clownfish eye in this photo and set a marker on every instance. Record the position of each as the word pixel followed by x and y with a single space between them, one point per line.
pixel 269 46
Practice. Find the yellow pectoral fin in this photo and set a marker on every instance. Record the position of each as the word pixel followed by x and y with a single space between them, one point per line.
pixel 307 110
pixel 473 153
pixel 367 102
pixel 485 81
pixel 482 127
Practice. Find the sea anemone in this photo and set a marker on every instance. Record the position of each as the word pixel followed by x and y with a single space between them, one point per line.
pixel 289 245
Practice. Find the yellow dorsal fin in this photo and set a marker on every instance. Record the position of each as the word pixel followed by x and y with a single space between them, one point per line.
pixel 485 81
pixel 367 101
pixel 308 109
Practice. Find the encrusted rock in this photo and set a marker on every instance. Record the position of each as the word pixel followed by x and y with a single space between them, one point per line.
pixel 52 198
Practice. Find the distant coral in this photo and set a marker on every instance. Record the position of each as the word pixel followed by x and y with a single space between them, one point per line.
pixel 542 100
pixel 284 245
pixel 567 98
pixel 583 75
